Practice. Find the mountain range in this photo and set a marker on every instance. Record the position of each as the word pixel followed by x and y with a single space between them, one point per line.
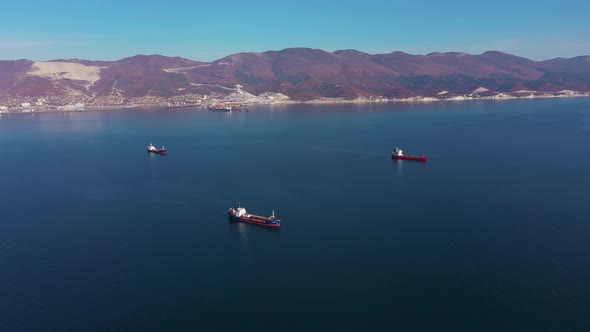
pixel 300 73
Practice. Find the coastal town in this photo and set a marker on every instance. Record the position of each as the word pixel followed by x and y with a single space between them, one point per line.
pixel 28 104
pixel 274 77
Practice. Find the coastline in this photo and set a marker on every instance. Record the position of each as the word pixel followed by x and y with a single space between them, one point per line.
pixel 423 99
pixel 416 99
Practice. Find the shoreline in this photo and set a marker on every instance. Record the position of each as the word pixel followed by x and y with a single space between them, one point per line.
pixel 422 99
pixel 418 99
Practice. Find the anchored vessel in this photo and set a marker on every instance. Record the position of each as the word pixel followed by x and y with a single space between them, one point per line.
pixel 151 148
pixel 227 108
pixel 239 214
pixel 398 154
pixel 220 108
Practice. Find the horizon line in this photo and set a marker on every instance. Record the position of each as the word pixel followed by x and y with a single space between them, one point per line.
pixel 299 48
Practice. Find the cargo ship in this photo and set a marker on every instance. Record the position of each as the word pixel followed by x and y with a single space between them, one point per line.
pixel 227 108
pixel 399 154
pixel 151 148
pixel 240 214
pixel 220 108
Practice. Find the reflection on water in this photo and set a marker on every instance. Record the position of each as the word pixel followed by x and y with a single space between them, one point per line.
pixel 156 156
pixel 585 123
pixel 93 228
pixel 71 122
pixel 248 235
pixel 399 166
pixel 245 230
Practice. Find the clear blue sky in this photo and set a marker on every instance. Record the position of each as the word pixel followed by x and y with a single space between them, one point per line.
pixel 109 30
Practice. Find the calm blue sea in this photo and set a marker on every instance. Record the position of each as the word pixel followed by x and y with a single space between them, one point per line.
pixel 491 234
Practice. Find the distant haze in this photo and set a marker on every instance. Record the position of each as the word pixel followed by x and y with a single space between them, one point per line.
pixel 205 31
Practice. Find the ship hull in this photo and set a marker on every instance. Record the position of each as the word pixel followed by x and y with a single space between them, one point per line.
pixel 256 220
pixel 157 151
pixel 183 106
pixel 410 157
pixel 220 108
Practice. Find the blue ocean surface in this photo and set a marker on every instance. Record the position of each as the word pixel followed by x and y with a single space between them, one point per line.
pixel 491 234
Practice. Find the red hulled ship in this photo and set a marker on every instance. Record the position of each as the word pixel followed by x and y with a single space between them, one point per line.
pixel 239 214
pixel 151 148
pixel 398 154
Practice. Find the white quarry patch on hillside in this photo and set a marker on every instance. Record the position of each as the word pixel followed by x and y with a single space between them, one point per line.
pixel 417 99
pixel 459 98
pixel 568 92
pixel 280 96
pixel 443 92
pixel 501 96
pixel 66 70
pixel 524 91
pixel 480 89
pixel 212 84
pixel 182 70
